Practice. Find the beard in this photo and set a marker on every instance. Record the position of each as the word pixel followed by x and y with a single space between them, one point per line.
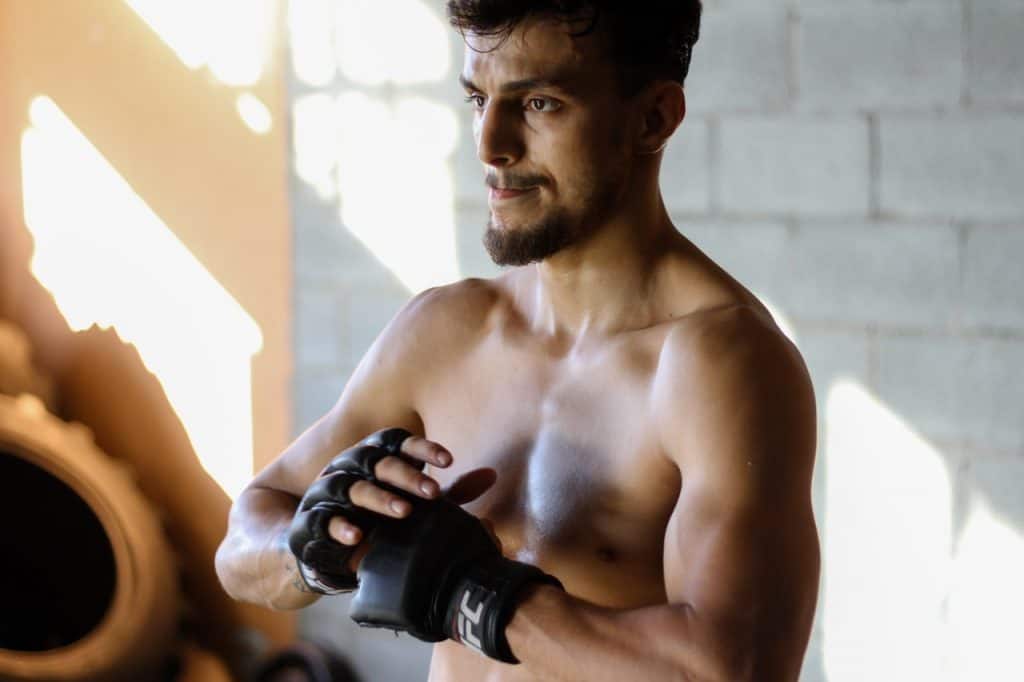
pixel 532 243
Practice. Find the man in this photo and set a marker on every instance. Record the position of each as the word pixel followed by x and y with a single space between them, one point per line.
pixel 623 415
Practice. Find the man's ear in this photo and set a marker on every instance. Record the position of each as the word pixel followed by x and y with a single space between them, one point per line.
pixel 664 108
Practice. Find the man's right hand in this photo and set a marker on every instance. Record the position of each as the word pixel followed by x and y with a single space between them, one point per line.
pixel 340 508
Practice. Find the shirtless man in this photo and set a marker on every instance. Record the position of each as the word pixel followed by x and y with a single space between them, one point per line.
pixel 622 413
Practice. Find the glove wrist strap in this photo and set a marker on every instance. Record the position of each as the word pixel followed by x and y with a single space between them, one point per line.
pixel 483 602
pixel 314 582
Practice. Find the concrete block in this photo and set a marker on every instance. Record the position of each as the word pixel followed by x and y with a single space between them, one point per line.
pixel 326 252
pixel 740 61
pixel 320 338
pixel 993 287
pixel 790 165
pixel 872 274
pixel 371 305
pixel 752 252
pixel 880 56
pixel 685 183
pixel 833 355
pixel 995 73
pixel 953 167
pixel 956 389
pixel 315 392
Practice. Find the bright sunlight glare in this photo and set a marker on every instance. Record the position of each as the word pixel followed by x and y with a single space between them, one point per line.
pixel 888 540
pixel 395 41
pixel 396 185
pixel 988 598
pixel 230 37
pixel 109 260
pixel 310 31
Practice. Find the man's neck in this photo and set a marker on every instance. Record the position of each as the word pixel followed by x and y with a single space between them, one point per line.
pixel 606 284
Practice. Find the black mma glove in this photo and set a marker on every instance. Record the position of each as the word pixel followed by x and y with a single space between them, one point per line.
pixel 323 561
pixel 438 574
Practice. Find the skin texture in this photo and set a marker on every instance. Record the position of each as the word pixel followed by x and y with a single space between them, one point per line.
pixel 623 413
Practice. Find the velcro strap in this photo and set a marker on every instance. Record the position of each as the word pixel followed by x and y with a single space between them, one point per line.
pixel 483 603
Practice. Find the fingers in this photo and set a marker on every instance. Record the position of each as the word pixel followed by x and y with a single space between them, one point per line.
pixel 369 496
pixel 344 532
pixel 402 475
pixel 398 473
pixel 427 451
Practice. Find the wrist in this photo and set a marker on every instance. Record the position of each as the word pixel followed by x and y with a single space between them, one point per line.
pixel 484 600
pixel 535 601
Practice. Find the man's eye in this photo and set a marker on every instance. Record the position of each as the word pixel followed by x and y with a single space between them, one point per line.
pixel 476 100
pixel 543 105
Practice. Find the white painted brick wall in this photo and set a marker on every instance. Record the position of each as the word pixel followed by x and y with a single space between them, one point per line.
pixel 996 63
pixel 740 63
pixel 963 166
pixel 870 57
pixel 685 176
pixel 870 274
pixel 956 389
pixel 320 326
pixel 789 165
pixel 752 252
pixel 993 286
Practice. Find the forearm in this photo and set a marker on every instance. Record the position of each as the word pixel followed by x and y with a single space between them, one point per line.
pixel 254 563
pixel 559 637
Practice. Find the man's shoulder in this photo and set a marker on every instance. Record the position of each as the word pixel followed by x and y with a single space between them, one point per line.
pixel 732 352
pixel 724 332
pixel 447 316
pixel 469 301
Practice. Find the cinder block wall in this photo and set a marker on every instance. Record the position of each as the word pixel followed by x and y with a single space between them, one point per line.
pixel 860 165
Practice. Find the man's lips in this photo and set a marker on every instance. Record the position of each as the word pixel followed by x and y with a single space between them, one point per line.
pixel 505 193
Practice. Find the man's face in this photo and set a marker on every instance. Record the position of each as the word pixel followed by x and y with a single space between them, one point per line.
pixel 551 130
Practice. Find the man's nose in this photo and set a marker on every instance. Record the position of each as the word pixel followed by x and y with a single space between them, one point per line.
pixel 498 139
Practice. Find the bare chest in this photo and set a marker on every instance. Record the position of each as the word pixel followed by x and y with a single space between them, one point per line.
pixel 583 488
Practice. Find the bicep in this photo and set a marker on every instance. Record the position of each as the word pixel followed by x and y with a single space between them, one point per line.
pixel 377 395
pixel 748 572
pixel 741 546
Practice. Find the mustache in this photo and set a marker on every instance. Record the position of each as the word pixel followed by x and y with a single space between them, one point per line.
pixel 510 181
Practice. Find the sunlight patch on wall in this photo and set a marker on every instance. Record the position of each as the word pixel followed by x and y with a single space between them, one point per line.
pixel 988 598
pixel 315 143
pixel 383 153
pixel 311 39
pixel 888 538
pixel 230 37
pixel 397 191
pixel 109 260
pixel 391 41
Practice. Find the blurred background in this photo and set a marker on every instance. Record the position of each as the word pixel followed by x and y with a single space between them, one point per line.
pixel 200 236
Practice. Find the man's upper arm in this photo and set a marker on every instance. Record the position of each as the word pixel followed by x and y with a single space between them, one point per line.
pixel 378 395
pixel 741 548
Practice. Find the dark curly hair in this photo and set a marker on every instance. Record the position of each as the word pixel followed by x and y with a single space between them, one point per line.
pixel 649 40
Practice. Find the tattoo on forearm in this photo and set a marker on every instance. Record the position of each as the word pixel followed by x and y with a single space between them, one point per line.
pixel 297 582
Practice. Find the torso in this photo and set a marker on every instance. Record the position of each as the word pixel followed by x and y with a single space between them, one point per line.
pixel 584 488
